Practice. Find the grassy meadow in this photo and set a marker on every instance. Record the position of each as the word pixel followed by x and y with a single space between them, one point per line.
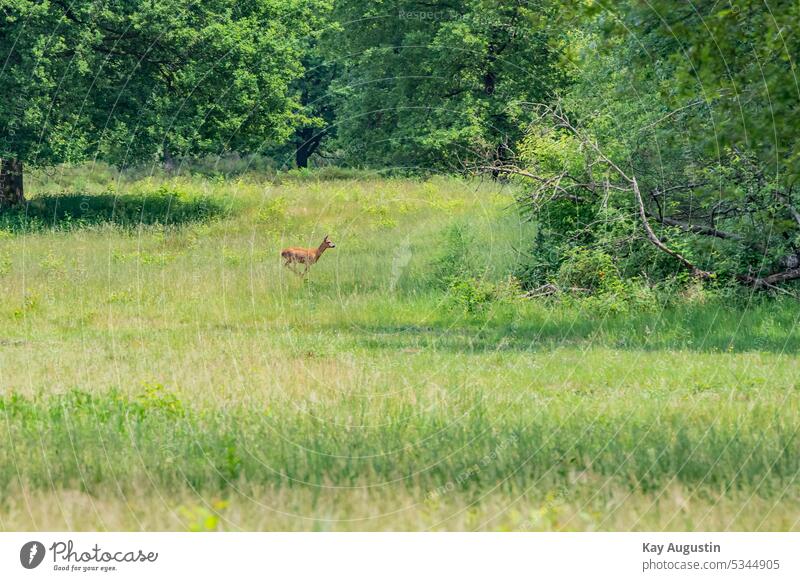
pixel 161 370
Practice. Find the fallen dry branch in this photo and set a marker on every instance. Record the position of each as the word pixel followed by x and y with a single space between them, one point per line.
pixel 770 280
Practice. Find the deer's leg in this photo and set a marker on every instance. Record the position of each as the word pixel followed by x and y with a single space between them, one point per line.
pixel 291 266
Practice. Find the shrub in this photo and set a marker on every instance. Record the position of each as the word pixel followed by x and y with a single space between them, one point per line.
pixel 589 269
pixel 273 214
pixel 458 262
pixel 470 295
pixel 69 211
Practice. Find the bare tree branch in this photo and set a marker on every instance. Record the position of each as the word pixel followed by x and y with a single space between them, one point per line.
pixel 657 242
pixel 792 210
pixel 700 229
pixel 553 182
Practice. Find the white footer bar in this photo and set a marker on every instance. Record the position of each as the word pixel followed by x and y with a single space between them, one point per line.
pixel 400 556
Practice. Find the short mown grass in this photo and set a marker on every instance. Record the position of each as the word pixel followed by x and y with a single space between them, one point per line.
pixel 164 372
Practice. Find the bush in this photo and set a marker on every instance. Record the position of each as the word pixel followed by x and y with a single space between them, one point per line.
pixel 166 206
pixel 623 296
pixel 273 214
pixel 460 273
pixel 458 261
pixel 592 270
pixel 472 295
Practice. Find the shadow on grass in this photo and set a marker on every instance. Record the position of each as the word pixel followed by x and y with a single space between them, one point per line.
pixel 72 211
pixel 770 327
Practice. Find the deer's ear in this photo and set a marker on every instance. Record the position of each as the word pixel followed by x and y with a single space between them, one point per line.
pixel 326 237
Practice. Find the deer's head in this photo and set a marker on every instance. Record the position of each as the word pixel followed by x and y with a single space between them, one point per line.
pixel 326 242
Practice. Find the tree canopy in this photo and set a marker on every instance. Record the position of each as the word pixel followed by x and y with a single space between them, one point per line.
pixel 130 79
pixel 426 85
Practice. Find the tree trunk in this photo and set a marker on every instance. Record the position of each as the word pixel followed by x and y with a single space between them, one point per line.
pixel 309 142
pixel 500 158
pixel 12 192
pixel 169 161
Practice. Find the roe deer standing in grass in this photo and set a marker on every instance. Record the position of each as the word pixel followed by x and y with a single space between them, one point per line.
pixel 306 256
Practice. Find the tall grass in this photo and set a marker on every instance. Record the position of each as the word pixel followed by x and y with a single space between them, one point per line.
pixel 82 440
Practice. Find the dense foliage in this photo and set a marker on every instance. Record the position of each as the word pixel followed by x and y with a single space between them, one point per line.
pixel 426 85
pixel 130 80
pixel 698 107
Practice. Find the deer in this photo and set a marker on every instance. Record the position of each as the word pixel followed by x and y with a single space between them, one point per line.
pixel 307 256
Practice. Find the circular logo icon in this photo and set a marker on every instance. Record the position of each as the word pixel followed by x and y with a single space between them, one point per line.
pixel 31 554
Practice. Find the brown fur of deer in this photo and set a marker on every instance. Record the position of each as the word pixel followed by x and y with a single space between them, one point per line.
pixel 306 256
